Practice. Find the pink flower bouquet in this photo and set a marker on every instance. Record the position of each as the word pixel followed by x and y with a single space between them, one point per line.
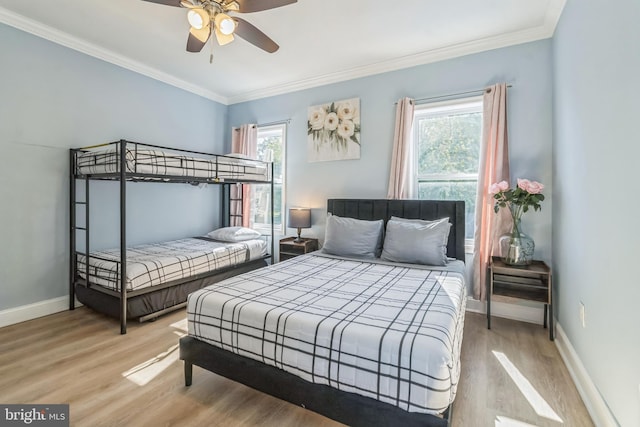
pixel 527 194
pixel 517 248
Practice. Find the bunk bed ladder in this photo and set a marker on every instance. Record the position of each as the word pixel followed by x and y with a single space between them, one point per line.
pixel 236 194
pixel 74 228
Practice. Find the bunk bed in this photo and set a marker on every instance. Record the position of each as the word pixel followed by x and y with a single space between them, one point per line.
pixel 120 282
pixel 363 341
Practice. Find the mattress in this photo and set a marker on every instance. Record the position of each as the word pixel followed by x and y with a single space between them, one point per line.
pixel 385 331
pixel 158 263
pixel 166 163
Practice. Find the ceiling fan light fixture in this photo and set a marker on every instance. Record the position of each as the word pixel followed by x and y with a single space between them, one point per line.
pixel 223 38
pixel 198 18
pixel 225 24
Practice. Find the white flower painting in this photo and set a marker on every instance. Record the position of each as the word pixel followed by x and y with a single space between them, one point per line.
pixel 333 131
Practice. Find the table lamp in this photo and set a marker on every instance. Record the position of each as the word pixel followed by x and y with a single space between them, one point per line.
pixel 299 218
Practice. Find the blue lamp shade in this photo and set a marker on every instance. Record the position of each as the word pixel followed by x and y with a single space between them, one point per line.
pixel 299 218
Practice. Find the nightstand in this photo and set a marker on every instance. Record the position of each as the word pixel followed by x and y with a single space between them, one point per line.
pixel 530 282
pixel 291 249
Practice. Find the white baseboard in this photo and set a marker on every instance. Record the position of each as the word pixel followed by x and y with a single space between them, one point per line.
pixel 595 404
pixel 23 313
pixel 597 407
pixel 522 313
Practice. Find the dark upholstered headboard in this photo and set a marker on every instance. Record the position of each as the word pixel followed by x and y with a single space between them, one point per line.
pixel 374 209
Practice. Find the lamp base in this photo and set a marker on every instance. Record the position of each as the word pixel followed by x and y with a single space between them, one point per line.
pixel 298 239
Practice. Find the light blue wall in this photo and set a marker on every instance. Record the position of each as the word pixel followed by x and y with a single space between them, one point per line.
pixel 596 206
pixel 527 67
pixel 53 98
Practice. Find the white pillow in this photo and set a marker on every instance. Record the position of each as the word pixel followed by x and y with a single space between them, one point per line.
pixel 416 241
pixel 233 234
pixel 353 237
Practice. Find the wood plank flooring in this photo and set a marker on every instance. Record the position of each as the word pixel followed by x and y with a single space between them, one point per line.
pixel 511 375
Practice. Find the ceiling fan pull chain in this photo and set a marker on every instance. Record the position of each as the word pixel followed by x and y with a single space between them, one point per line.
pixel 211 54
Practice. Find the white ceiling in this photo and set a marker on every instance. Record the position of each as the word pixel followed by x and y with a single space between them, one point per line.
pixel 321 41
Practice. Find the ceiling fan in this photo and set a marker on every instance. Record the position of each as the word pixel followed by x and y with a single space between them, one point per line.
pixel 207 16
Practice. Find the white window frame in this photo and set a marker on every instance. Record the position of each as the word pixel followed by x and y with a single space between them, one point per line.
pixel 434 109
pixel 276 129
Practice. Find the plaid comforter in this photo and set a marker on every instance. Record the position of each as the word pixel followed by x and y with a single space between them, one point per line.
pixel 157 263
pixel 157 162
pixel 389 332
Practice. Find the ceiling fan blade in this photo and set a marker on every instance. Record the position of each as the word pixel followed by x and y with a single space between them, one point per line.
pixel 198 38
pixel 175 3
pixel 254 36
pixel 248 6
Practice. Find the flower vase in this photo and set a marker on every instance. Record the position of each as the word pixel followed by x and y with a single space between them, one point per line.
pixel 516 248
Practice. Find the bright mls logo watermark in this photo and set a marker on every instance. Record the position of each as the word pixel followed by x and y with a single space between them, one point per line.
pixel 34 415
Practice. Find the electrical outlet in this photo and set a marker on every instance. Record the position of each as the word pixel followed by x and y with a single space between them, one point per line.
pixel 583 320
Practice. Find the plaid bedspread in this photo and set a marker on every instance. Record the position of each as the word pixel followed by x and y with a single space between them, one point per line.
pixel 389 332
pixel 157 263
pixel 157 162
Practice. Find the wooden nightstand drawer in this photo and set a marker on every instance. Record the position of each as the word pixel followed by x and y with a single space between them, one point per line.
pixel 531 282
pixel 289 248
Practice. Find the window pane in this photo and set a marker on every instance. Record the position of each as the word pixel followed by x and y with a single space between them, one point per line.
pixel 453 190
pixel 270 148
pixel 261 204
pixel 447 138
pixel 449 143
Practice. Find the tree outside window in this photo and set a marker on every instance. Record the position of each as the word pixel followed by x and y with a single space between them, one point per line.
pixel 447 145
pixel 271 147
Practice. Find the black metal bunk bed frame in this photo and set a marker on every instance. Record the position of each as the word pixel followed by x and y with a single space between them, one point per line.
pixel 122 175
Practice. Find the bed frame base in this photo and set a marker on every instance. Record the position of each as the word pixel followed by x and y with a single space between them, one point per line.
pixel 152 302
pixel 159 313
pixel 348 408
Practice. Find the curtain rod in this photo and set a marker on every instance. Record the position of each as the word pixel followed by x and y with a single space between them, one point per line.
pixel 279 122
pixel 451 95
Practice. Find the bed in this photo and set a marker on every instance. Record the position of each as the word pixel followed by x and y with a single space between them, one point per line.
pixel 151 161
pixel 157 277
pixel 362 341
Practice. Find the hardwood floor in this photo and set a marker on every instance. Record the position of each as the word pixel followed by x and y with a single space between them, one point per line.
pixel 79 357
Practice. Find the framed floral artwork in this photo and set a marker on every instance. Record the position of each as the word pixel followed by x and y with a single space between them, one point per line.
pixel 333 131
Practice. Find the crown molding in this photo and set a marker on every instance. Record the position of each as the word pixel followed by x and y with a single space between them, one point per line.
pixel 449 52
pixel 64 39
pixel 543 31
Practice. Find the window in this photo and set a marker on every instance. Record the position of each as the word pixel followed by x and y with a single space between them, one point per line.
pixel 271 148
pixel 447 139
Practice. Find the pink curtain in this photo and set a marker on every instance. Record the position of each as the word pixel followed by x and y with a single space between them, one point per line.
pixel 494 167
pixel 401 176
pixel 244 140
